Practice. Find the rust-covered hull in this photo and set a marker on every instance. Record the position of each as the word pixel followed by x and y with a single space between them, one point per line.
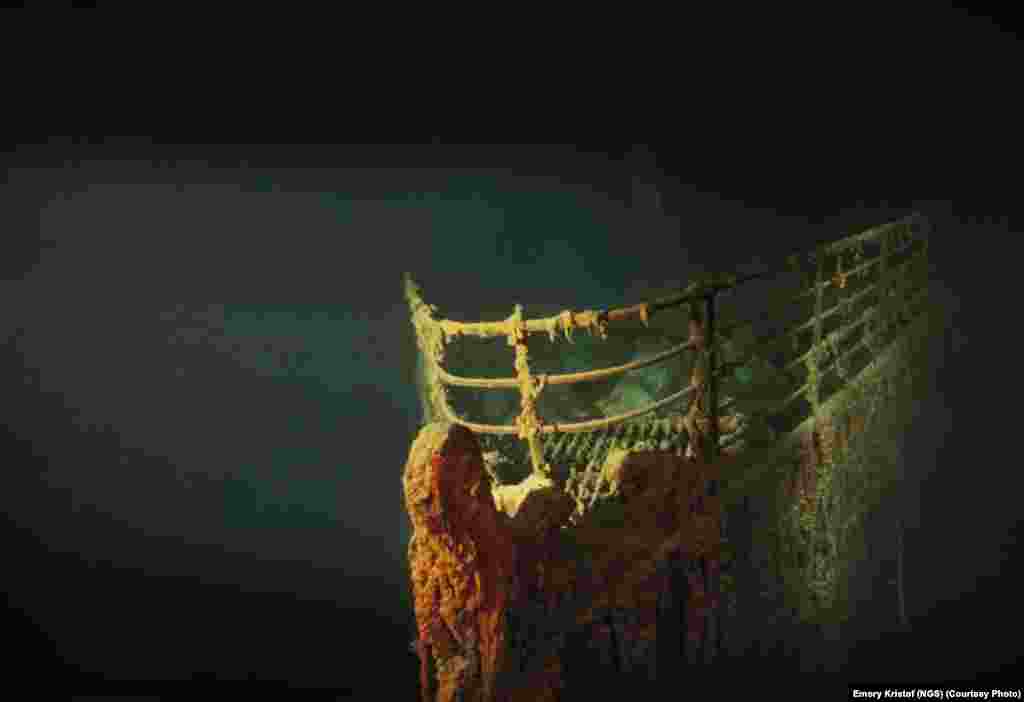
pixel 501 596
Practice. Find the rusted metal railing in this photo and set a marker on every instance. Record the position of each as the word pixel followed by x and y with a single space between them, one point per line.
pixel 434 333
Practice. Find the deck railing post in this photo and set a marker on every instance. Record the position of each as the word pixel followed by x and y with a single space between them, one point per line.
pixel 529 424
pixel 711 448
pixel 885 306
pixel 813 359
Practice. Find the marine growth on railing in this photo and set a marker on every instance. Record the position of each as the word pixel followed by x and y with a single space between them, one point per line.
pixel 433 334
pixel 854 305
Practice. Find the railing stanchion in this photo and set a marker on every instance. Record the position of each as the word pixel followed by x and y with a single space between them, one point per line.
pixel 813 358
pixel 529 425
pixel 885 294
pixel 711 449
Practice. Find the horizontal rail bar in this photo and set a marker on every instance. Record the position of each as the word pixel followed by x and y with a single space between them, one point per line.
pixel 857 270
pixel 837 335
pixel 568 320
pixel 707 290
pixel 588 318
pixel 562 378
pixel 833 402
pixel 503 327
pixel 842 332
pixel 803 388
pixel 574 427
pixel 853 298
pixel 828 282
pixel 779 337
pixel 869 234
pixel 863 342
pixel 724 329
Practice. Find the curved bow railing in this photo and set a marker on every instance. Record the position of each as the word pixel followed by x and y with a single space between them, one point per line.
pixel 875 323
